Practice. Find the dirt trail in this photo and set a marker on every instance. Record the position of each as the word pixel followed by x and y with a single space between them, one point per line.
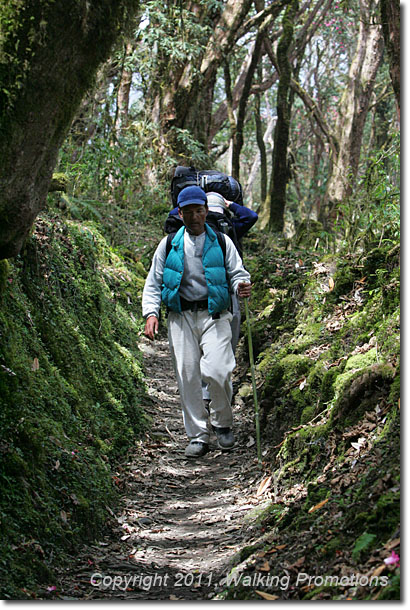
pixel 181 521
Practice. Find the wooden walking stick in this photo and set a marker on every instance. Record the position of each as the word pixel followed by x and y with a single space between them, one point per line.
pixel 255 396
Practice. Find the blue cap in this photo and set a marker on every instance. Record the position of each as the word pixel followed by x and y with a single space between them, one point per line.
pixel 191 194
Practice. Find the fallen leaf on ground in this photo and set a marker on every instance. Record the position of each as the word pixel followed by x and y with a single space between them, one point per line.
pixel 392 544
pixel 317 506
pixel 298 563
pixel 379 570
pixel 267 595
pixel 63 516
pixel 264 486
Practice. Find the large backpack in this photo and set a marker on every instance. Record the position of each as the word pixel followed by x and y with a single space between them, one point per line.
pixel 209 180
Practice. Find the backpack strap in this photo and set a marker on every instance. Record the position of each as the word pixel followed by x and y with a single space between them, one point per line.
pixel 170 237
pixel 222 242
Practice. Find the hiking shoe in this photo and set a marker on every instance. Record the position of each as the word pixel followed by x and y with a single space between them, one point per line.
pixel 225 437
pixel 196 449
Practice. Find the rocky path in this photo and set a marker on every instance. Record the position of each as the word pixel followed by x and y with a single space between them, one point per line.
pixel 180 521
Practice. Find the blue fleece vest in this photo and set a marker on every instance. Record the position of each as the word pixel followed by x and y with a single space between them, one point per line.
pixel 214 268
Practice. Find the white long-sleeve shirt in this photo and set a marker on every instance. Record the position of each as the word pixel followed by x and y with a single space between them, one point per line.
pixel 193 284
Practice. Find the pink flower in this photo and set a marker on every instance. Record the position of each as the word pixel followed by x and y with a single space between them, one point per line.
pixel 394 559
pixel 53 588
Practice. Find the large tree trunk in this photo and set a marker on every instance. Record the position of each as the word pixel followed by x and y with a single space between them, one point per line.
pixel 53 50
pixel 353 109
pixel 390 14
pixel 280 171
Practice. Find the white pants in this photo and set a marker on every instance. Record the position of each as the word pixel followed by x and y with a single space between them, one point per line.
pixel 236 329
pixel 201 350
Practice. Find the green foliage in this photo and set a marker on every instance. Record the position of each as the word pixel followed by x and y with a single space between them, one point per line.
pixel 371 216
pixel 108 185
pixel 393 590
pixel 363 543
pixel 194 151
pixel 172 34
pixel 71 389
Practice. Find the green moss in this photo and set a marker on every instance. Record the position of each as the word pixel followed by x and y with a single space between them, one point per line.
pixel 335 544
pixel 360 361
pixel 304 451
pixel 264 512
pixel 4 272
pixel 309 372
pixel 384 519
pixel 327 389
pixel 307 414
pixel 358 389
pixel 70 393
pixel 306 334
pixel 293 366
pixel 316 493
pixel 343 279
pixel 308 232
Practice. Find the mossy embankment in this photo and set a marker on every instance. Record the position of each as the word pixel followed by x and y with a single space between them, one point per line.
pixel 71 390
pixel 326 331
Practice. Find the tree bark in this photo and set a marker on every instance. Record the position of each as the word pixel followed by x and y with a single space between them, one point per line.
pixel 240 122
pixel 260 139
pixel 53 50
pixel 390 15
pixel 280 171
pixel 353 109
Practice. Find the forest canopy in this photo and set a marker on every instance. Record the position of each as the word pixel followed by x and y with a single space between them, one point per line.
pixel 298 100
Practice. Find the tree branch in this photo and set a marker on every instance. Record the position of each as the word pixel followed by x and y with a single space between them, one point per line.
pixel 316 113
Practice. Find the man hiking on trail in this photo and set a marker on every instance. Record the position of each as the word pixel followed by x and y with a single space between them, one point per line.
pixel 238 220
pixel 194 281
